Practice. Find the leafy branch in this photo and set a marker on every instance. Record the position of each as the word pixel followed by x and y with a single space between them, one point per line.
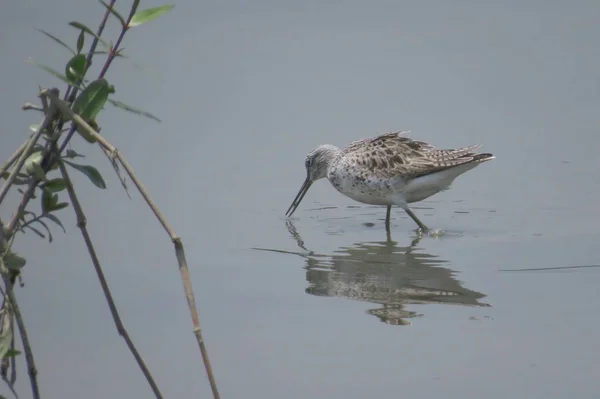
pixel 46 152
pixel 179 249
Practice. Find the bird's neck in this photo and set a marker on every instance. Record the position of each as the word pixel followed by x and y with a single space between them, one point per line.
pixel 332 155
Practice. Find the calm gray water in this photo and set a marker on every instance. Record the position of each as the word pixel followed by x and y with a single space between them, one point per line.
pixel 325 305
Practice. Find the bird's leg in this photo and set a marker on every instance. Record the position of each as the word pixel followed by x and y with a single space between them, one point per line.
pixel 387 223
pixel 416 219
pixel 387 217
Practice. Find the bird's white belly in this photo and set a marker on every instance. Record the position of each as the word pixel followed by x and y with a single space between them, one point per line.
pixel 370 191
pixel 393 191
pixel 424 187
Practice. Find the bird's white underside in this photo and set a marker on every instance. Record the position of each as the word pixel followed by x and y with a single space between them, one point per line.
pixel 399 192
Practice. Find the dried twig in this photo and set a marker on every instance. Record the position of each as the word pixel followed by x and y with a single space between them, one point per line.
pixel 115 165
pixel 179 250
pixel 82 224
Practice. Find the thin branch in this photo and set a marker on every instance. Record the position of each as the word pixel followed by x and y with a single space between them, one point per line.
pixel 179 251
pixel 25 153
pixel 9 362
pixel 14 221
pixel 70 94
pixel 12 159
pixel 51 115
pixel 72 91
pixel 13 366
pixel 31 370
pixel 82 224
pixel 30 106
pixel 14 305
pixel 48 120
pixel 113 51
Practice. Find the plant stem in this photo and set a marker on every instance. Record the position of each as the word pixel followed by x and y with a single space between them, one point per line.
pixel 12 299
pixel 111 55
pixel 113 51
pixel 14 221
pixel 31 370
pixel 25 153
pixel 179 251
pixel 13 158
pixel 71 94
pixel 82 224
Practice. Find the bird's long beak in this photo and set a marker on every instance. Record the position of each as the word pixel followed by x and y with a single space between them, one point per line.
pixel 303 190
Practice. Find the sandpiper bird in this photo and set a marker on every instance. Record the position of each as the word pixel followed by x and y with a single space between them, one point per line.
pixel 390 170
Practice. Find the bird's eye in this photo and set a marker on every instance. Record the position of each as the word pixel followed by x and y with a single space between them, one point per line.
pixel 307 162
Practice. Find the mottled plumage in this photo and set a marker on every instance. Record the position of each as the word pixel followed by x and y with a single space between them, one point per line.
pixel 389 169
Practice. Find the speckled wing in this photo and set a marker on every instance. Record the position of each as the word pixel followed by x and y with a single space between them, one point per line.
pixel 393 155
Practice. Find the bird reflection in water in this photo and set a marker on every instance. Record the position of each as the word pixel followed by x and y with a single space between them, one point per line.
pixel 385 274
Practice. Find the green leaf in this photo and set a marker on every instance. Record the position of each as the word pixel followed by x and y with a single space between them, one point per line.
pixel 25 213
pixel 36 231
pixel 115 13
pixel 138 65
pixel 33 166
pixel 54 166
pixel 13 261
pixel 131 109
pixel 75 69
pixel 59 206
pixel 34 158
pixel 38 172
pixel 56 185
pixel 55 219
pixel 79 25
pixel 52 72
pixel 148 15
pixel 91 172
pixel 57 40
pixel 92 99
pixel 12 353
pixel 80 41
pixel 47 201
pixel 35 128
pixel 73 154
pixel 50 238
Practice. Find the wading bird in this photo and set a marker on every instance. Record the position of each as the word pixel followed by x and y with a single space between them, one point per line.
pixel 389 169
